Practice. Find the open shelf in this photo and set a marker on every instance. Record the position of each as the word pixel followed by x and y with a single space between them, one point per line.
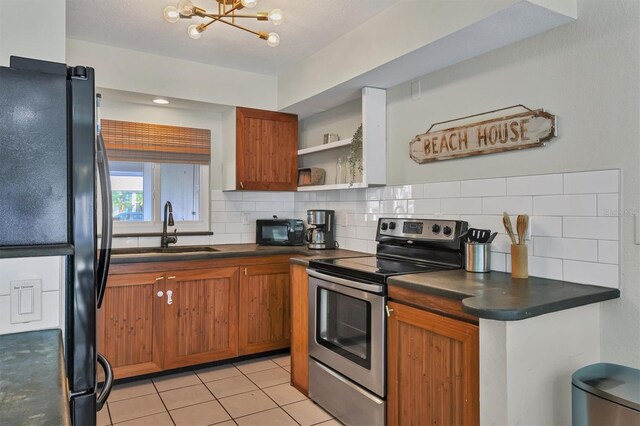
pixel 333 186
pixel 325 147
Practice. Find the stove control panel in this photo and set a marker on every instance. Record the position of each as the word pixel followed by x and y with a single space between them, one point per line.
pixel 420 229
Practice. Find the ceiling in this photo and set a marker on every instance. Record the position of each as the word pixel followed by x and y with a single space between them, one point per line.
pixel 139 25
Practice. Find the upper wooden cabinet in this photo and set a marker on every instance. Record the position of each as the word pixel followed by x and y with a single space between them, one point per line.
pixel 266 150
pixel 264 308
pixel 201 322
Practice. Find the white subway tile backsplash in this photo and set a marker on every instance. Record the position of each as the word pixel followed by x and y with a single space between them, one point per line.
pixel 393 206
pixel 565 205
pixel 511 205
pixel 498 262
pixel 191 240
pixel 608 252
pixel 483 187
pixel 592 182
pixel 535 185
pixel 598 228
pixel 462 206
pixel 544 267
pixel 126 242
pixel 491 222
pixel 591 273
pixel 442 190
pixel 573 217
pixel 425 206
pixel 608 205
pixel 366 233
pixel 546 226
pixel 566 248
pixel 218 206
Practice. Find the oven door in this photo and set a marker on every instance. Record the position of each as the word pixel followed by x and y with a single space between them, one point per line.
pixel 347 328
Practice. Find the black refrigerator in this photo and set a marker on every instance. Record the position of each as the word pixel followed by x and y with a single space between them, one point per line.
pixel 52 160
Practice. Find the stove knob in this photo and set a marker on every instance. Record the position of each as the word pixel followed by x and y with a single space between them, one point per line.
pixel 447 231
pixel 392 225
pixel 435 228
pixel 384 226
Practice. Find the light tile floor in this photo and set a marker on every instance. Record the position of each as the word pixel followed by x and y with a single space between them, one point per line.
pixel 255 392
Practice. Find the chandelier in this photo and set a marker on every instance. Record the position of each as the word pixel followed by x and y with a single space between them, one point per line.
pixel 227 14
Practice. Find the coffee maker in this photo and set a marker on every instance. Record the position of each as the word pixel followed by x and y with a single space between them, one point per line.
pixel 321 233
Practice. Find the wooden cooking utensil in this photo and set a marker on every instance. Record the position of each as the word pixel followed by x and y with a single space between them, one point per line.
pixel 522 224
pixel 507 226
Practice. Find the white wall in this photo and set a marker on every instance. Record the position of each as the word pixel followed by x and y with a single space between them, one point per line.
pixel 586 72
pixel 133 71
pixel 34 29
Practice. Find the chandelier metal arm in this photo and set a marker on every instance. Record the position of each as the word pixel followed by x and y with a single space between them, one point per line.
pixel 260 34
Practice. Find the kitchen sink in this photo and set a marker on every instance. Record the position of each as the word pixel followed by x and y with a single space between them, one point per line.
pixel 168 250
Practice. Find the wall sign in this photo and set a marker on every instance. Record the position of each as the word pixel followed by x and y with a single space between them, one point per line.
pixel 528 129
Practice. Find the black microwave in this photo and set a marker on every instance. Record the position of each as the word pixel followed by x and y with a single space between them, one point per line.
pixel 280 232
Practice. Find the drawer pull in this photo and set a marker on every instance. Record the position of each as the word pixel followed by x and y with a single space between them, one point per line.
pixel 159 278
pixel 173 277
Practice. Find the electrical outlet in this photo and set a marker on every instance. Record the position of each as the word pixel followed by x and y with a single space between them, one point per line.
pixel 245 218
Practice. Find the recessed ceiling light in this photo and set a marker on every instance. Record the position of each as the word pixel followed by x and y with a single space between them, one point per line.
pixel 160 101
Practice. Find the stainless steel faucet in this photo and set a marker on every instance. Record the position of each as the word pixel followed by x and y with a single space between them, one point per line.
pixel 165 240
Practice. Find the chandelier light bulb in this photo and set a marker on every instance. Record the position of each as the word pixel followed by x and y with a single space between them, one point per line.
pixel 249 4
pixel 273 40
pixel 185 7
pixel 171 14
pixel 276 17
pixel 193 32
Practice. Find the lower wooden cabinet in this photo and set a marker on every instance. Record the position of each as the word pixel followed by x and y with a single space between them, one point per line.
pixel 201 323
pixel 432 368
pixel 130 324
pixel 300 328
pixel 161 316
pixel 264 308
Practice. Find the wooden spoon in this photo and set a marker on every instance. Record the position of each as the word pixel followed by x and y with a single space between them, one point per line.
pixel 507 226
pixel 521 226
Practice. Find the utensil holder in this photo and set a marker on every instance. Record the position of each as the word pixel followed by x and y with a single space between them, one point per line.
pixel 477 257
pixel 519 261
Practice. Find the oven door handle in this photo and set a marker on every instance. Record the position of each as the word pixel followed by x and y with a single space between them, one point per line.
pixel 372 288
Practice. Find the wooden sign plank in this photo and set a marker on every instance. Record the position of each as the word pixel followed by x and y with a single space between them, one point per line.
pixel 518 131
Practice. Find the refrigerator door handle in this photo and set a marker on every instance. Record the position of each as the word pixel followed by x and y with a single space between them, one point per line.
pixel 108 382
pixel 107 222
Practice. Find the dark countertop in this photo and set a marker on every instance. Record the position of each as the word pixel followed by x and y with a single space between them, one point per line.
pixel 236 250
pixel 498 296
pixel 33 384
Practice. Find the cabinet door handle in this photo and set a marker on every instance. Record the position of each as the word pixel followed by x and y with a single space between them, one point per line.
pixel 241 185
pixel 169 299
pixel 160 293
pixel 172 277
pixel 245 271
pixel 386 307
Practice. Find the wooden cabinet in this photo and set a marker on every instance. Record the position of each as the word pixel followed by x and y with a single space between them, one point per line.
pixel 201 323
pixel 300 328
pixel 219 309
pixel 266 150
pixel 264 308
pixel 130 331
pixel 432 368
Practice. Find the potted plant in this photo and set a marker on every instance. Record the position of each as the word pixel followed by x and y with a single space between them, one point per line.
pixel 355 156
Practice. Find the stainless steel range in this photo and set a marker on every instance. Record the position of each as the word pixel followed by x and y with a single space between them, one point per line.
pixel 347 302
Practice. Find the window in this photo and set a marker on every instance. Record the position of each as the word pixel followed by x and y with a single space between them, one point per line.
pixel 152 164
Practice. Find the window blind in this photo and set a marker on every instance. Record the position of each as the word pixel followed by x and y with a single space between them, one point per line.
pixel 144 142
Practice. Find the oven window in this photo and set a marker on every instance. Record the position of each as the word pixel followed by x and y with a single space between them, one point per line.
pixel 275 233
pixel 343 324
